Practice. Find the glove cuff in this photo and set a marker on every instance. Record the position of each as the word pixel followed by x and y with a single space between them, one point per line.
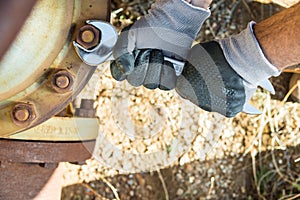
pixel 175 24
pixel 246 57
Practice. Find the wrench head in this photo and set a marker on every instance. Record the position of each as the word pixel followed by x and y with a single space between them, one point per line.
pixel 103 50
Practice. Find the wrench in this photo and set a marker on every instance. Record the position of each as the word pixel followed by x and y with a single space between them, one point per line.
pixel 103 52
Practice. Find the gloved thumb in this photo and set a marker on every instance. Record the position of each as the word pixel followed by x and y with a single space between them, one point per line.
pixel 123 64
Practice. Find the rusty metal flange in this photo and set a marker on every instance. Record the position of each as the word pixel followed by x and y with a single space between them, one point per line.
pixel 40 152
pixel 55 74
pixel 30 181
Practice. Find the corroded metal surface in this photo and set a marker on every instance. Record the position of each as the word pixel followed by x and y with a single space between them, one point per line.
pixel 23 114
pixel 40 75
pixel 13 14
pixel 62 81
pixel 41 152
pixel 36 46
pixel 86 109
pixel 88 36
pixel 30 181
pixel 42 49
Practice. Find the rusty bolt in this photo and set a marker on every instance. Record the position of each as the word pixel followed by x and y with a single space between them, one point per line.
pixel 23 114
pixel 62 81
pixel 88 36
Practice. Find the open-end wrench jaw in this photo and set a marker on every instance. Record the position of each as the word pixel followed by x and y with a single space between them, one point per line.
pixel 103 50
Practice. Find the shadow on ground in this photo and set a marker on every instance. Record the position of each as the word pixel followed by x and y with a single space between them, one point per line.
pixel 277 175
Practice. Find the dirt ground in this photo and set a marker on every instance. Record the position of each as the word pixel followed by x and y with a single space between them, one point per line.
pixel 254 157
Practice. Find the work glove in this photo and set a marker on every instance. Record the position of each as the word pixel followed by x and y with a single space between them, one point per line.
pixel 222 76
pixel 167 31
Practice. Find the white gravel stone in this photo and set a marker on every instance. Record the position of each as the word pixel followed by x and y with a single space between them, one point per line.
pixel 179 192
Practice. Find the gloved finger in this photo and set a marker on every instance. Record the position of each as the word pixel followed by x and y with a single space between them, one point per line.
pixel 230 91
pixel 235 101
pixel 152 78
pixel 234 107
pixel 122 66
pixel 138 75
pixel 191 85
pixel 168 76
pixel 234 110
pixel 124 41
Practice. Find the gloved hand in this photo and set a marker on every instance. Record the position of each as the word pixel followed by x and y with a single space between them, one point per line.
pixel 169 29
pixel 221 76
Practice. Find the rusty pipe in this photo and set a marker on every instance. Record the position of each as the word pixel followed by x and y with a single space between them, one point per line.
pixel 13 14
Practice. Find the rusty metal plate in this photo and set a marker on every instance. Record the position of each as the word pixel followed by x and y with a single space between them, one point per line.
pixel 41 152
pixel 13 14
pixel 36 47
pixel 30 181
pixel 30 99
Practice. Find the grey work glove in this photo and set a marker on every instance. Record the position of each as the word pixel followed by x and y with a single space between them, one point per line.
pixel 221 76
pixel 169 29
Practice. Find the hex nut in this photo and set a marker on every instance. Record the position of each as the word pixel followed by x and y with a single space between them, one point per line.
pixel 62 81
pixel 23 114
pixel 88 36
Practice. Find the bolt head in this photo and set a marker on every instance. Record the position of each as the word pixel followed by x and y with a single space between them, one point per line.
pixel 23 114
pixel 88 36
pixel 62 81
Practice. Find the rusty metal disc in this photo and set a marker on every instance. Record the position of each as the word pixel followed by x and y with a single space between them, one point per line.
pixel 43 49
pixel 13 14
pixel 43 151
pixel 30 181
